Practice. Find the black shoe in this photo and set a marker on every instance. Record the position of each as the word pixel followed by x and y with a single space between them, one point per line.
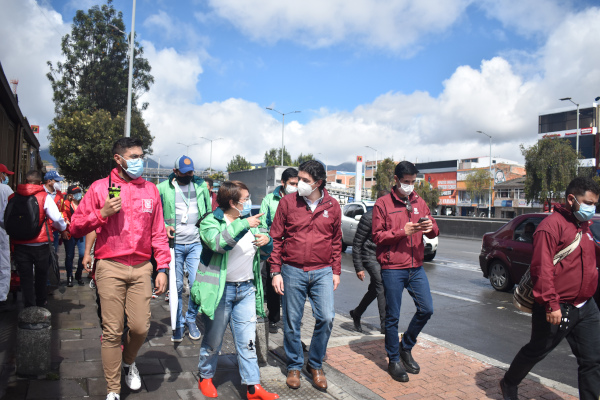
pixel 272 327
pixel 356 321
pixel 509 392
pixel 70 281
pixel 397 372
pixel 409 362
pixel 80 282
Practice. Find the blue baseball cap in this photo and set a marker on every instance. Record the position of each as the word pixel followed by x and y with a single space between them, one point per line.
pixel 184 164
pixel 53 175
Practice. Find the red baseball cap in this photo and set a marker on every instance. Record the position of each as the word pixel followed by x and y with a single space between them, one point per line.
pixel 5 170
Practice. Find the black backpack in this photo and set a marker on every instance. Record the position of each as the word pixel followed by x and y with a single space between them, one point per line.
pixel 22 217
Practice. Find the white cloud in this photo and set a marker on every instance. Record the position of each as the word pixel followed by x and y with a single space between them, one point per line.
pixel 389 24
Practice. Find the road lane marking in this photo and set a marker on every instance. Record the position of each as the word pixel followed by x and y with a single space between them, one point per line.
pixel 455 297
pixel 455 265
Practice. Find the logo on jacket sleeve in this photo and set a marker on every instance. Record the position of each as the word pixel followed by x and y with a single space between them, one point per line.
pixel 147 205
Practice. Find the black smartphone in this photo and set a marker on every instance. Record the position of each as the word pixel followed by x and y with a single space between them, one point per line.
pixel 422 219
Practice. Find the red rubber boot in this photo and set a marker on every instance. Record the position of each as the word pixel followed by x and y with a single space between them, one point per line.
pixel 261 394
pixel 207 388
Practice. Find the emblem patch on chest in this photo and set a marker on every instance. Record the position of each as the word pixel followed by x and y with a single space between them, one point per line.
pixel 147 205
pixel 325 214
pixel 416 210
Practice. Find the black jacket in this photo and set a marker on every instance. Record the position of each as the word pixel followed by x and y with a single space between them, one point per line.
pixel 363 248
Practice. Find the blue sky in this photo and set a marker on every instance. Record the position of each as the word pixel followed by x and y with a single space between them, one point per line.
pixel 414 79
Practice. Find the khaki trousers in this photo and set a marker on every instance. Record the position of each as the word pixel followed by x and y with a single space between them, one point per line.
pixel 123 290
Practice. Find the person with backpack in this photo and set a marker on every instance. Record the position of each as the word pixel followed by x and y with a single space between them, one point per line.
pixel 26 221
pixel 5 192
pixel 52 186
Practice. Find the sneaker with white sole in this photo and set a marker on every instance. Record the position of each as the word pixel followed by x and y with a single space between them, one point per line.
pixel 132 376
pixel 193 331
pixel 113 396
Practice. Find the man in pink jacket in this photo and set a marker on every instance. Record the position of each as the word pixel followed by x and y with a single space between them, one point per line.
pixel 126 212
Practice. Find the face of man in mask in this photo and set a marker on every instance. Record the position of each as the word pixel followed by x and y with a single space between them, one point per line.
pixel 405 185
pixel 290 186
pixel 183 179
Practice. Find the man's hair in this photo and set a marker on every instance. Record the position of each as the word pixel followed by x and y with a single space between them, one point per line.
pixel 382 193
pixel 289 173
pixel 316 170
pixel 580 185
pixel 405 168
pixel 209 182
pixel 33 176
pixel 125 143
pixel 230 190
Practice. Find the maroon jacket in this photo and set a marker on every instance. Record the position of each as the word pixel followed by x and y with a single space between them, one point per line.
pixel 395 250
pixel 574 279
pixel 213 196
pixel 305 239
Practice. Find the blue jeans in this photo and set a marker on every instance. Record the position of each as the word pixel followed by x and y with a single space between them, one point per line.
pixel 318 286
pixel 56 235
pixel 416 282
pixel 70 256
pixel 187 257
pixel 238 309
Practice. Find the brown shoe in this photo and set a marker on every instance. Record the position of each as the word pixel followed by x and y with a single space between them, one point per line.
pixel 318 377
pixel 293 379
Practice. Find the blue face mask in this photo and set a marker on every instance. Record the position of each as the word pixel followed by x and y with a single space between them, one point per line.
pixel 135 168
pixel 585 212
pixel 5 181
pixel 247 208
pixel 78 196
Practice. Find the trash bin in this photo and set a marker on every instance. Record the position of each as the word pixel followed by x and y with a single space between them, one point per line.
pixel 33 341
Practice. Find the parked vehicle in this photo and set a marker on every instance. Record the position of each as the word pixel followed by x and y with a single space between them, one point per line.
pixel 351 214
pixel 506 254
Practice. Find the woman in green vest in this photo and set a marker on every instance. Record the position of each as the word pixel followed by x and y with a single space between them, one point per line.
pixel 228 287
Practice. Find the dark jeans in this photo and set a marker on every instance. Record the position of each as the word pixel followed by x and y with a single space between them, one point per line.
pixel 70 256
pixel 27 258
pixel 583 335
pixel 374 291
pixel 416 282
pixel 272 298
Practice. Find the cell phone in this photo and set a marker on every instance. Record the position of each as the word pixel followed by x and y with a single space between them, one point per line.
pixel 422 219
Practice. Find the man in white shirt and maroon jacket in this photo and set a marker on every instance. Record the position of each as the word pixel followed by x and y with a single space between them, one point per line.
pixel 306 261
pixel 400 220
pixel 564 306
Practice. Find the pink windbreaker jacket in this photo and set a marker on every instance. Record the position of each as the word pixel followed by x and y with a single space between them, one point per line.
pixel 129 236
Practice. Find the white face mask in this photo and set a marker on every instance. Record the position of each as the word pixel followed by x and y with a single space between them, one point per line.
pixel 304 189
pixel 289 189
pixel 57 186
pixel 406 189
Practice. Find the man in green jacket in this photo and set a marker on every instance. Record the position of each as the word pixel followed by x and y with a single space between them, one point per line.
pixel 185 199
pixel 268 207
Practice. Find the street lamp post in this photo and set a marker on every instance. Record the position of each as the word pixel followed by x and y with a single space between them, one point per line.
pixel 210 140
pixel 130 80
pixel 187 147
pixel 576 140
pixel 491 176
pixel 282 126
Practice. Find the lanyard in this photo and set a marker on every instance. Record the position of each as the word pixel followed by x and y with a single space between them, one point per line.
pixel 184 217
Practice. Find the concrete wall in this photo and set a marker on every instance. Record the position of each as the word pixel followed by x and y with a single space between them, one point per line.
pixel 467 227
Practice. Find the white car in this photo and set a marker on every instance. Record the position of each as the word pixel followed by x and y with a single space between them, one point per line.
pixel 351 215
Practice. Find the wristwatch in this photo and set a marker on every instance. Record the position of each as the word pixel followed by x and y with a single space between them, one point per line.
pixel 274 274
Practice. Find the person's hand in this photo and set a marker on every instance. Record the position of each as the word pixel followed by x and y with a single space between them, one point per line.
pixel 87 262
pixel 426 226
pixel 65 235
pixel 411 228
pixel 554 317
pixel 170 231
pixel 361 275
pixel 160 283
pixel 111 206
pixel 261 240
pixel 336 281
pixel 254 220
pixel 277 283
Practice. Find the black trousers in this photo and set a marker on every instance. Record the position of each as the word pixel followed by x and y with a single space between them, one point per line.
pixel 374 291
pixel 582 334
pixel 271 297
pixel 33 285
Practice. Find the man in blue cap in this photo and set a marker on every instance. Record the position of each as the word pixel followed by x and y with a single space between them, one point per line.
pixel 52 187
pixel 185 199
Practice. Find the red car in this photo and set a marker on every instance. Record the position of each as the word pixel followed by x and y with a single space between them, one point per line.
pixel 506 254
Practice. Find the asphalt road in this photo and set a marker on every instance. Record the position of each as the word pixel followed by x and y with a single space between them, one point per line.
pixel 468 312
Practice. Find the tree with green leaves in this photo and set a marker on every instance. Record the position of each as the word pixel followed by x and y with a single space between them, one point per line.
pixel 95 72
pixel 428 193
pixel 301 158
pixel 82 143
pixel 273 157
pixel 217 176
pixel 238 163
pixel 550 164
pixel 478 183
pixel 384 177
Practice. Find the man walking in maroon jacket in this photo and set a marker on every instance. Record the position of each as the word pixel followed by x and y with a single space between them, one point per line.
pixel 564 306
pixel 400 220
pixel 307 261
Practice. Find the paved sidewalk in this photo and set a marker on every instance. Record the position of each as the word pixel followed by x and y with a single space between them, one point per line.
pixel 355 365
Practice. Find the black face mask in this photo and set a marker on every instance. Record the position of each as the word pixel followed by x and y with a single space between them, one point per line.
pixel 184 180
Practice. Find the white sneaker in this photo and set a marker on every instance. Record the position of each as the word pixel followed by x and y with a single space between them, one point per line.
pixel 113 396
pixel 132 379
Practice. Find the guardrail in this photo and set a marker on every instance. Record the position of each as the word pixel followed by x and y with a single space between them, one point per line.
pixel 468 227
